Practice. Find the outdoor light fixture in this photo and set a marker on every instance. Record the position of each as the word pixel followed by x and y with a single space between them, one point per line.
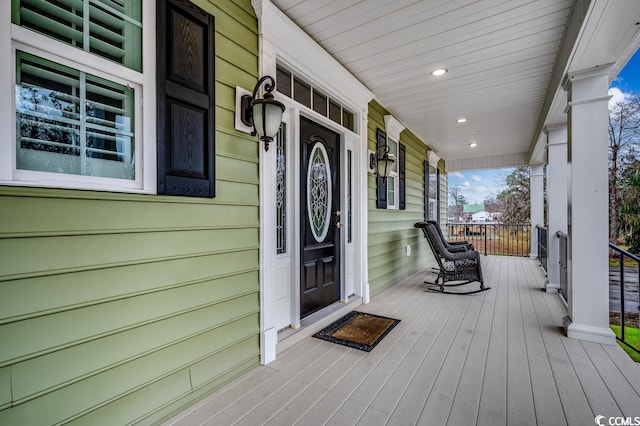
pixel 439 71
pixel 382 161
pixel 473 145
pixel 462 120
pixel 264 115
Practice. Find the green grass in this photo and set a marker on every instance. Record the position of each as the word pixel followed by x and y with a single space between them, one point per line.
pixel 627 262
pixel 632 336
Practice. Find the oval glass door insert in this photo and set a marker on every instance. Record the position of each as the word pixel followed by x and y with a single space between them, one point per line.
pixel 319 192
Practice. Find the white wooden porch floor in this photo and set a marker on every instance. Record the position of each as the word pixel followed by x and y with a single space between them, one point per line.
pixel 495 358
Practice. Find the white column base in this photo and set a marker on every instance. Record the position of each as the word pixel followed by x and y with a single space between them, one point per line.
pixel 589 333
pixel 552 287
pixel 269 342
pixel 365 294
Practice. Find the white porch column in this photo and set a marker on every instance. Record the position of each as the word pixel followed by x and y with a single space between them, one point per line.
pixel 588 213
pixel 536 199
pixel 557 170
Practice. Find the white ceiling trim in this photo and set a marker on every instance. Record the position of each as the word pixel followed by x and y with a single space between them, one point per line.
pixel 505 58
pixel 303 54
pixel 490 162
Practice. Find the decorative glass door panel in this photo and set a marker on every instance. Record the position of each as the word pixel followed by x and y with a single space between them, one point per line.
pixel 320 217
pixel 319 191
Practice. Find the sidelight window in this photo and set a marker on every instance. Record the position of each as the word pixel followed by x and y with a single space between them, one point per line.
pixel 281 190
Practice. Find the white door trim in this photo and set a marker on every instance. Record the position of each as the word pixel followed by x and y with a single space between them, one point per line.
pixel 281 40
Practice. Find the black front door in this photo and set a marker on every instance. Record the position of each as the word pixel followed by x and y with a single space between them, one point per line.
pixel 320 217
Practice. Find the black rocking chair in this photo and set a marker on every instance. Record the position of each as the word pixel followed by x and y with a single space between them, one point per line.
pixel 458 268
pixel 452 246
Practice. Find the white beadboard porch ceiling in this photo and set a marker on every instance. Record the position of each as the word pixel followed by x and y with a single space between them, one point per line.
pixel 500 55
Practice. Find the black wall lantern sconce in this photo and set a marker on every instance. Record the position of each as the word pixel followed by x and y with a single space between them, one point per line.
pixel 382 161
pixel 264 115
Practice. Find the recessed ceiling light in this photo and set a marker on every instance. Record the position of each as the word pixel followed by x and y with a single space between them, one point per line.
pixel 473 145
pixel 438 71
pixel 461 120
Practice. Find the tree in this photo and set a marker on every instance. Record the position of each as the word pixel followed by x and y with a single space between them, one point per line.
pixel 624 133
pixel 516 206
pixel 493 205
pixel 458 202
pixel 629 223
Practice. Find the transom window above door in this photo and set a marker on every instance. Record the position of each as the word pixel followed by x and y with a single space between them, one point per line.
pixel 296 88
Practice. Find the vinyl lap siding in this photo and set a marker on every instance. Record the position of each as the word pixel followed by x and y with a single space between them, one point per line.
pixel 117 308
pixel 391 231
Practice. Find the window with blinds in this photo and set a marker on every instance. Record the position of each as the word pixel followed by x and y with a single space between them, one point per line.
pixel 78 117
pixel 111 29
pixel 72 122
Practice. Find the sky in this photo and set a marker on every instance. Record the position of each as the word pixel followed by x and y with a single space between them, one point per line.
pixel 477 186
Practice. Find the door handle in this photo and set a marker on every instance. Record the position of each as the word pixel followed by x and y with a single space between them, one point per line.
pixel 338 225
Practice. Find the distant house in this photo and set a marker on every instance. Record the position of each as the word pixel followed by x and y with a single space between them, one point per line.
pixel 470 209
pixel 473 208
pixel 481 216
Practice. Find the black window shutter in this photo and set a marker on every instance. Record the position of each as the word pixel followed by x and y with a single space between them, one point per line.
pixel 381 137
pixel 186 99
pixel 402 184
pixel 426 190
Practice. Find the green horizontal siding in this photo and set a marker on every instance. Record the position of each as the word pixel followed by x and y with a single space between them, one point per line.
pixel 391 231
pixel 55 369
pixel 27 213
pixel 5 387
pixel 60 292
pixel 92 251
pixel 119 308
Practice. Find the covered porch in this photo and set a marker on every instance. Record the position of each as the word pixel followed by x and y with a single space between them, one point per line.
pixel 498 357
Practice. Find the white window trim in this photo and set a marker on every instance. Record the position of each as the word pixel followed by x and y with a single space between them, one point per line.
pixel 393 128
pixel 433 159
pixel 13 37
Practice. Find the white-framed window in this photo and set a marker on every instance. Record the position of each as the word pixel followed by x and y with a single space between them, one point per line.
pixel 393 128
pixel 432 213
pixel 432 190
pixel 77 71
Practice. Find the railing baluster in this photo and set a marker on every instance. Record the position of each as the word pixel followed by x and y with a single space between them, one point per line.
pixel 485 239
pixel 542 246
pixel 493 238
pixel 622 256
pixel 622 313
pixel 564 285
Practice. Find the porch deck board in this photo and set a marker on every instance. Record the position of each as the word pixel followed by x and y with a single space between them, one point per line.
pixel 493 395
pixel 497 357
pixel 575 405
pixel 466 401
pixel 352 395
pixel 543 386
